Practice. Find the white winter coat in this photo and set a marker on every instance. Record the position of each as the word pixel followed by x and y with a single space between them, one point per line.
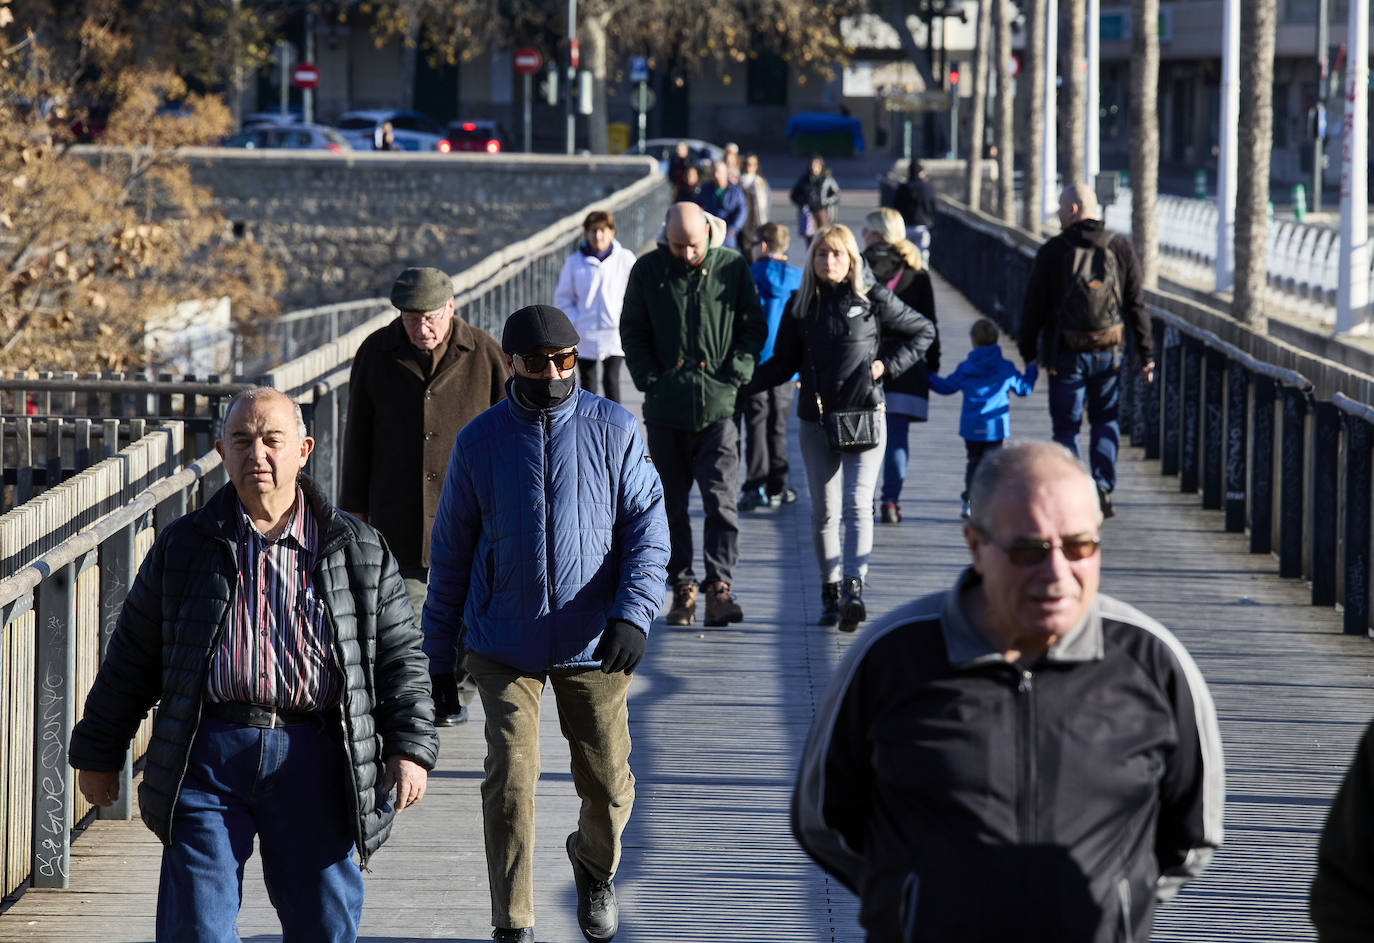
pixel 590 292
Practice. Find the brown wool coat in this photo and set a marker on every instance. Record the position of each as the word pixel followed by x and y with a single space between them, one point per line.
pixel 401 428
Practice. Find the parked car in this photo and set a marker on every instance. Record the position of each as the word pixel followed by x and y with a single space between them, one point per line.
pixel 702 152
pixel 486 136
pixel 413 131
pixel 289 134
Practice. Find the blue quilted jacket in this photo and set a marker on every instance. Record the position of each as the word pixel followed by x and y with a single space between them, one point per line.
pixel 551 522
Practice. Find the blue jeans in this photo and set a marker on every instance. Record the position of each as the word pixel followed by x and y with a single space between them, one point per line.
pixel 1091 380
pixel 895 456
pixel 286 785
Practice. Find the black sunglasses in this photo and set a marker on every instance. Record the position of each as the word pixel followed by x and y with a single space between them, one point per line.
pixel 535 363
pixel 1034 552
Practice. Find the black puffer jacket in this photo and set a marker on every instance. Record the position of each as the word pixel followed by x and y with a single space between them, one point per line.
pixel 913 288
pixel 834 341
pixel 170 624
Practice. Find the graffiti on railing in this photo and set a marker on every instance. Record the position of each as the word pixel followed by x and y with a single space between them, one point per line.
pixel 51 801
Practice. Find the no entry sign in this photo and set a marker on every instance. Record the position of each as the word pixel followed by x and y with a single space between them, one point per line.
pixel 306 76
pixel 528 61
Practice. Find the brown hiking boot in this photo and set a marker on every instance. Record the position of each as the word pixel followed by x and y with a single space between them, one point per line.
pixel 721 608
pixel 684 611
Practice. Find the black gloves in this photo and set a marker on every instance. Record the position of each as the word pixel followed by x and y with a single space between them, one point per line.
pixel 622 647
pixel 445 688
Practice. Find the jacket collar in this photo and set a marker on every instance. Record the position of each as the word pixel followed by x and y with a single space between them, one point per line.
pixel 967 648
pixel 219 516
pixel 557 415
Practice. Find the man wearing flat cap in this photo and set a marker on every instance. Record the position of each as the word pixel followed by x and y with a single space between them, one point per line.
pixel 414 384
pixel 549 554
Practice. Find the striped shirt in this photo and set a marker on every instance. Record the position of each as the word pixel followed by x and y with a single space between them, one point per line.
pixel 275 649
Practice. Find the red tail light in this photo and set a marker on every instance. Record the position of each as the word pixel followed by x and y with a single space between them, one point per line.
pixel 445 147
pixel 335 149
pixel 493 146
pixel 469 126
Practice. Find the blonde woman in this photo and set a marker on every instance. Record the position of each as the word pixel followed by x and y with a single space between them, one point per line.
pixel 896 263
pixel 843 333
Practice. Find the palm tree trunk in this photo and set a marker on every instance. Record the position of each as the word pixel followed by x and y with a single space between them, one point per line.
pixel 594 28
pixel 981 40
pixel 410 47
pixel 1033 97
pixel 1256 124
pixel 1145 137
pixel 1076 12
pixel 1006 123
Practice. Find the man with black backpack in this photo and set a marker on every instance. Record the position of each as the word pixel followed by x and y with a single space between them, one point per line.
pixel 1084 292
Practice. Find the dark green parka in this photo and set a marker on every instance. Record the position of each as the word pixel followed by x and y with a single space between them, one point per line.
pixel 692 336
pixel 170 625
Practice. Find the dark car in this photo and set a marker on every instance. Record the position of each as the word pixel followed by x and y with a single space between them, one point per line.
pixel 485 136
pixel 294 135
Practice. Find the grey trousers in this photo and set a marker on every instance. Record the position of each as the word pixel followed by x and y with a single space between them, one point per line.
pixel 417 585
pixel 595 720
pixel 842 486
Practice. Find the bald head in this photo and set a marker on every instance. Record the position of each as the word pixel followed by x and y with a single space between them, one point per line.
pixel 1077 202
pixel 1020 467
pixel 687 232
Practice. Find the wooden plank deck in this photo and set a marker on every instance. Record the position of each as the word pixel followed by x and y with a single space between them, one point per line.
pixel 718 717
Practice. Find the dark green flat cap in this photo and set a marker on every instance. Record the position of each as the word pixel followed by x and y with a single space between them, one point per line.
pixel 421 290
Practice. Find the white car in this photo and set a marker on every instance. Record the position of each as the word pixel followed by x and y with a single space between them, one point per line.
pixel 702 153
pixel 412 130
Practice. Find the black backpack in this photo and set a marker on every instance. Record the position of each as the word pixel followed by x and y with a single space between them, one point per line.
pixel 1090 309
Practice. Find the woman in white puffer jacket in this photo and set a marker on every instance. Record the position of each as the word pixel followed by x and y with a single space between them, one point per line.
pixel 591 289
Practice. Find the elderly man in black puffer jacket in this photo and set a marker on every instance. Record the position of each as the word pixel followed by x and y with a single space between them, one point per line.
pixel 276 634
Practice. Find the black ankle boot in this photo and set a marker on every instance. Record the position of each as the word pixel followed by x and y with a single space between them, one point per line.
pixel 852 610
pixel 830 604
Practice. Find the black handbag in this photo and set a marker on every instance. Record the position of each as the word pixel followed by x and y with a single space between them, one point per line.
pixel 848 430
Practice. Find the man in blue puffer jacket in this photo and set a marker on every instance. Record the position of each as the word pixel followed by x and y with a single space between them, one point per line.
pixel 551 546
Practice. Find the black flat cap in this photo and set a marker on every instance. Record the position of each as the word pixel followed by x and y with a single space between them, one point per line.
pixel 536 326
pixel 420 290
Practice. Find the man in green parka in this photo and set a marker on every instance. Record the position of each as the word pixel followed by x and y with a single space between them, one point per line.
pixel 692 328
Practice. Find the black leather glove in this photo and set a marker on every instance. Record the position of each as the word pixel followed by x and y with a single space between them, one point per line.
pixel 445 688
pixel 622 647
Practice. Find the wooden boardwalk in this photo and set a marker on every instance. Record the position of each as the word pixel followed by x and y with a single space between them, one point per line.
pixel 718 717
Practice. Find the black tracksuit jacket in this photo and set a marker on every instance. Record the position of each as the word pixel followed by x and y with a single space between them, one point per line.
pixel 964 798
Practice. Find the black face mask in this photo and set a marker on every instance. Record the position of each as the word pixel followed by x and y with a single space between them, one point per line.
pixel 543 392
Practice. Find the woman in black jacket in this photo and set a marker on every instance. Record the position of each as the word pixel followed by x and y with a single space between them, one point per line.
pixel 816 194
pixel 896 263
pixel 843 333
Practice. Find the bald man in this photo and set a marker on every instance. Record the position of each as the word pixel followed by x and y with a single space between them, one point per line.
pixel 1020 757
pixel 1083 296
pixel 692 328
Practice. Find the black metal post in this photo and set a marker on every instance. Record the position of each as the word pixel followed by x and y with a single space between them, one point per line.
pixel 1357 497
pixel 117 571
pixel 1152 393
pixel 1262 467
pixel 1191 398
pixel 1291 482
pixel 1326 447
pixel 1213 408
pixel 1173 393
pixel 1237 427
pixel 54 699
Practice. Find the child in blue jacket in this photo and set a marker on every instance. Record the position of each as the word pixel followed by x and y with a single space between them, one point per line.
pixel 985 378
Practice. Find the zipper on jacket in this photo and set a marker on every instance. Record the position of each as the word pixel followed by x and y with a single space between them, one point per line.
pixel 545 425
pixel 1025 742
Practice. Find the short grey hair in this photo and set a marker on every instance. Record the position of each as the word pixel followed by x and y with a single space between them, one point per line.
pixel 256 393
pixel 1017 460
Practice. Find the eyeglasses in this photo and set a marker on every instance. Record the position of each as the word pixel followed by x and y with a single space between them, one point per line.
pixel 536 363
pixel 1034 552
pixel 429 320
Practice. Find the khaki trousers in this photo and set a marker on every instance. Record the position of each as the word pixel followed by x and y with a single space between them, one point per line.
pixel 595 720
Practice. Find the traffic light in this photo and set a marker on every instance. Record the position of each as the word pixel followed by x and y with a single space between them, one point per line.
pixel 954 75
pixel 548 85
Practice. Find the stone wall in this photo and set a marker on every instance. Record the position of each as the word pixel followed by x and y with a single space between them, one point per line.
pixel 342 225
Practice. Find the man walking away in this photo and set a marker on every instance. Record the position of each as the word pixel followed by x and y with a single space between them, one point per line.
pixel 1083 293
pixel 915 200
pixel 549 548
pixel 413 385
pixel 724 199
pixel 1020 757
pixel 692 329
pixel 274 634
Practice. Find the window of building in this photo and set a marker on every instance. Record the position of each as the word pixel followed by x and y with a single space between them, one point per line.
pixel 766 79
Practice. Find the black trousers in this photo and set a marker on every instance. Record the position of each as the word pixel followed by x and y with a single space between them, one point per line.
pixel 710 458
pixel 610 376
pixel 976 451
pixel 765 439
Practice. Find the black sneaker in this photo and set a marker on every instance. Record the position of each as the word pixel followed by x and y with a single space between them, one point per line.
pixel 597 912
pixel 830 604
pixel 852 610
pixel 509 935
pixel 1104 499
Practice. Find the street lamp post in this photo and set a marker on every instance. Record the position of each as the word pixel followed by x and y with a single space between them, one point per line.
pixel 1049 202
pixel 1091 134
pixel 1352 285
pixel 1227 144
pixel 569 111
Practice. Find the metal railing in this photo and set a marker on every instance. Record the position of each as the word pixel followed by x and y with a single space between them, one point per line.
pixel 1301 259
pixel 1285 459
pixel 57 611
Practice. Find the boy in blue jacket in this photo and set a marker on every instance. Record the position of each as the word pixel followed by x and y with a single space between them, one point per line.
pixel 985 378
pixel 765 412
